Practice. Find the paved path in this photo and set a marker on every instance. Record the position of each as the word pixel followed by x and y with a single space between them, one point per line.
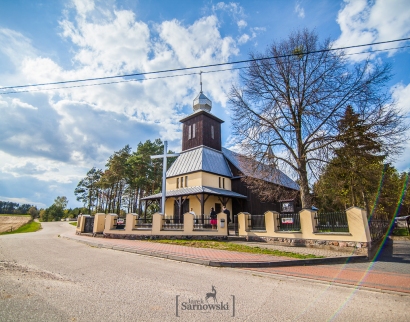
pixel 206 256
pixel 390 272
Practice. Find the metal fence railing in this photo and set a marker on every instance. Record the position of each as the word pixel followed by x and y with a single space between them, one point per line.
pixel 378 228
pixel 332 222
pixel 203 223
pixel 256 222
pixel 172 224
pixel 288 222
pixel 143 223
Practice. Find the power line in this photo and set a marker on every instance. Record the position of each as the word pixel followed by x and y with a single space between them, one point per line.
pixel 171 76
pixel 203 66
pixel 118 82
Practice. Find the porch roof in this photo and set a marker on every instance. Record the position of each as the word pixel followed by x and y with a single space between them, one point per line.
pixel 197 190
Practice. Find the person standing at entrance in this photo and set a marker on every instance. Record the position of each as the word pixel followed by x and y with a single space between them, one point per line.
pixel 191 211
pixel 228 216
pixel 213 216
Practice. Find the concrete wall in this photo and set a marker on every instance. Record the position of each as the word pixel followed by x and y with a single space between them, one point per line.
pixel 99 223
pixel 81 224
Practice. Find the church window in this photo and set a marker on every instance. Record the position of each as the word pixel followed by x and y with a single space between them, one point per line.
pixel 212 132
pixel 182 182
pixel 220 182
pixel 193 130
pixel 189 132
pixel 177 183
pixel 223 183
pixel 186 181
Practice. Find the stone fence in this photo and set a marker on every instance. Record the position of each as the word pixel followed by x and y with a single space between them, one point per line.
pixel 353 234
pixel 356 239
pixel 161 225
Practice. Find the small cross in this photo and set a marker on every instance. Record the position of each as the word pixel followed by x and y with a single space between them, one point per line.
pixel 164 171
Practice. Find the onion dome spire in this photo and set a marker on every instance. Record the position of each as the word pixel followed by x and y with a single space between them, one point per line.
pixel 201 102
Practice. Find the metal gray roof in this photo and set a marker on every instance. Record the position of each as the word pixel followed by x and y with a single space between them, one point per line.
pixel 197 190
pixel 201 102
pixel 277 176
pixel 200 159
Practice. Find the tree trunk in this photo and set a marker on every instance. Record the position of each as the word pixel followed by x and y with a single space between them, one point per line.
pixel 304 187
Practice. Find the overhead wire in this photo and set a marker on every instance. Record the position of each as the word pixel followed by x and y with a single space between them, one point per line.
pixel 14 91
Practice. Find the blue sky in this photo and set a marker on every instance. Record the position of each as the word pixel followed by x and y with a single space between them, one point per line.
pixel 50 139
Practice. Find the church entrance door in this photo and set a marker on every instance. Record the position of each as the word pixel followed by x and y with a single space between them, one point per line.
pixel 181 206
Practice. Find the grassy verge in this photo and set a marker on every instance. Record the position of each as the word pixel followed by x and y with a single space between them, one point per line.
pixel 27 228
pixel 74 223
pixel 233 247
pixel 400 232
pixel 15 215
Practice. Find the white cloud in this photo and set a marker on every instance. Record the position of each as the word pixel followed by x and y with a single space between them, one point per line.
pixel 300 10
pixel 401 95
pixel 84 6
pixel 364 22
pixel 243 39
pixel 23 201
pixel 42 169
pixel 232 7
pixel 241 23
pixel 4 104
pixel 235 10
pixel 15 46
pixel 74 129
pixel 15 102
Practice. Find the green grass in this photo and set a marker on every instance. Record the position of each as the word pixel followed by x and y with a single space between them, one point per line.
pixel 400 232
pixel 74 223
pixel 15 215
pixel 233 247
pixel 27 228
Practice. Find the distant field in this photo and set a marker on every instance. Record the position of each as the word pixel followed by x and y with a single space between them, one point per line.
pixel 13 222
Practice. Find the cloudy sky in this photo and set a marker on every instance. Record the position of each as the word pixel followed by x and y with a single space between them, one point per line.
pixel 50 136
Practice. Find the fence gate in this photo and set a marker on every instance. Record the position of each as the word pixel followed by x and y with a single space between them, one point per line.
pixel 89 224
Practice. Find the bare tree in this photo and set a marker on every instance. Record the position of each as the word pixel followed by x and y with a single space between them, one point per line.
pixel 290 105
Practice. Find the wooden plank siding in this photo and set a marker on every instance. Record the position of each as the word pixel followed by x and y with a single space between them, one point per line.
pixel 203 135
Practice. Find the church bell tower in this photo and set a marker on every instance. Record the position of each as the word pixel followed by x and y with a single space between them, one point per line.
pixel 201 128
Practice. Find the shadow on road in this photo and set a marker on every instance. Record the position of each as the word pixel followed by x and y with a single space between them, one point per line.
pixel 395 251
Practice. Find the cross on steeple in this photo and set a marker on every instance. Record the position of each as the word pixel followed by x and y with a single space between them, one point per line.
pixel 200 79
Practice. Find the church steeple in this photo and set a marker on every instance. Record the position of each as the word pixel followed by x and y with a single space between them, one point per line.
pixel 201 102
pixel 201 128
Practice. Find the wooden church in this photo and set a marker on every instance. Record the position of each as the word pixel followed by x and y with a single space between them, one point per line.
pixel 207 175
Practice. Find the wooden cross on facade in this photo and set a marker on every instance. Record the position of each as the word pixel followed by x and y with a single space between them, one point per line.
pixel 164 172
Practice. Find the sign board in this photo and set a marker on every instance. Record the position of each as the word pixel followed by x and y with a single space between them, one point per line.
pixel 287 207
pixel 287 220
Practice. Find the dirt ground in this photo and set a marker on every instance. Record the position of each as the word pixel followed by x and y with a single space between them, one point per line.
pixel 12 222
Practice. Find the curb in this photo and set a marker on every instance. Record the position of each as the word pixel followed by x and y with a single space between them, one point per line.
pixel 212 263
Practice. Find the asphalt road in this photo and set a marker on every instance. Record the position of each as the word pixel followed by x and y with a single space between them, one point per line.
pixel 47 278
